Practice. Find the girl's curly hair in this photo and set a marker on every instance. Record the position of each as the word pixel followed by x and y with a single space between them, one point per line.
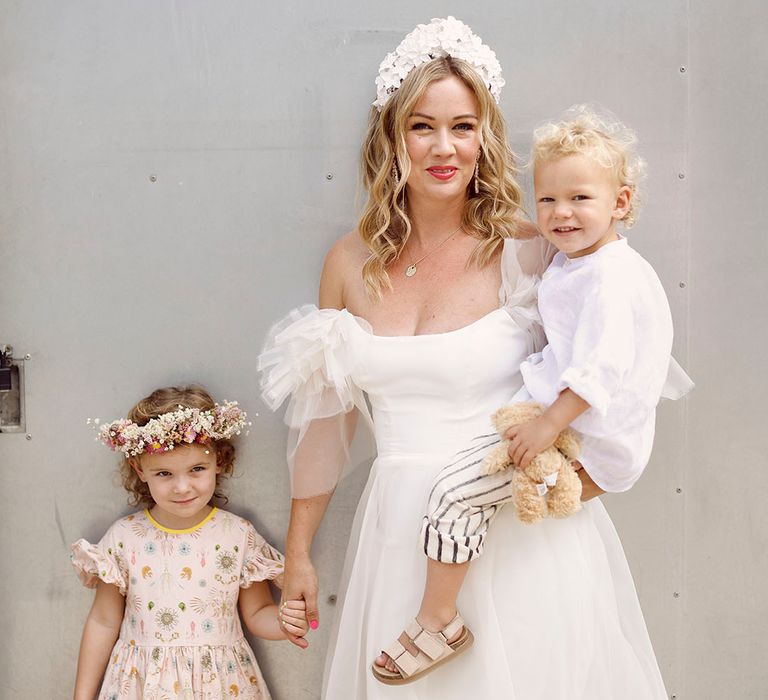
pixel 167 400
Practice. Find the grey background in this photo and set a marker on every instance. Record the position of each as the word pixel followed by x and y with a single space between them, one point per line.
pixel 116 283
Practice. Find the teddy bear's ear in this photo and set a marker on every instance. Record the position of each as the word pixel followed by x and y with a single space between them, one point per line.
pixel 568 444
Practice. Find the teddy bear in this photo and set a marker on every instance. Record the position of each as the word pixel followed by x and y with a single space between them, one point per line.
pixel 548 485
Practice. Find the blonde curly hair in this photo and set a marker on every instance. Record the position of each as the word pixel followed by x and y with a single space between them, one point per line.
pixel 489 215
pixel 164 401
pixel 585 131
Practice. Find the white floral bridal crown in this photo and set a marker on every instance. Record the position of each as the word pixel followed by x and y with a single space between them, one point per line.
pixel 186 426
pixel 439 38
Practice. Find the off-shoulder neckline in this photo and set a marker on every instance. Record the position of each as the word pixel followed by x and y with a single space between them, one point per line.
pixel 365 327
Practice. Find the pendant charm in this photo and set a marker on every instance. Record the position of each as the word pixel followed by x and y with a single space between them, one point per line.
pixel 410 271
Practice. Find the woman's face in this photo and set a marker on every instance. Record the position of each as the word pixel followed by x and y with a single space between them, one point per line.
pixel 443 141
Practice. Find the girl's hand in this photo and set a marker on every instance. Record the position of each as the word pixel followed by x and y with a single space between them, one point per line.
pixel 300 585
pixel 529 439
pixel 293 617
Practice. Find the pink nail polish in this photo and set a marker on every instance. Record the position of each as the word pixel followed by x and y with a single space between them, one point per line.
pixel 314 624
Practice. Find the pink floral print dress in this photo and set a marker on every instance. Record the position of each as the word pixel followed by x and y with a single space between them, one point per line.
pixel 181 635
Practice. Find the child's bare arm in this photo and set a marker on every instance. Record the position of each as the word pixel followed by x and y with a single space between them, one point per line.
pixel 262 618
pixel 529 439
pixel 100 633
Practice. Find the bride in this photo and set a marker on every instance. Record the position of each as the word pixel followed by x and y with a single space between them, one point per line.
pixel 427 309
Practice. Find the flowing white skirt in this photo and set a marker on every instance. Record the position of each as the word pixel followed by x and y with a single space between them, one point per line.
pixel 552 606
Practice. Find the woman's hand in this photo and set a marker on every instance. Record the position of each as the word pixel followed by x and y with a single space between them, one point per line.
pixel 299 578
pixel 300 584
pixel 526 229
pixel 589 489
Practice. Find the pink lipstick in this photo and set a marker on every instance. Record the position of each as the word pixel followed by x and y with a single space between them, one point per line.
pixel 442 173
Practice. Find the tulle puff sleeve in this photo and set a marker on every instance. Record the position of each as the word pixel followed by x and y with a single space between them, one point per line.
pixel 523 262
pixel 308 359
pixel 261 562
pixel 104 561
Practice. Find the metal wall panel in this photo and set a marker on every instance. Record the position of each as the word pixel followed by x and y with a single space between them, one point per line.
pixel 726 538
pixel 165 172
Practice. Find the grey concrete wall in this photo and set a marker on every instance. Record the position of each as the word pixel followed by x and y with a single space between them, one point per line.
pixel 165 197
pixel 724 647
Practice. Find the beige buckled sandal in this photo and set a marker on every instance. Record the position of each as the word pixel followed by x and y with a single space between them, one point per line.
pixel 417 651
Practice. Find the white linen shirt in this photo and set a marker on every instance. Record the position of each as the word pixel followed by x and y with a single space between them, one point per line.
pixel 609 332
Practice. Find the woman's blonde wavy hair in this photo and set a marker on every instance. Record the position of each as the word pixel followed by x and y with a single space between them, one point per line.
pixel 489 215
pixel 165 401
pixel 583 130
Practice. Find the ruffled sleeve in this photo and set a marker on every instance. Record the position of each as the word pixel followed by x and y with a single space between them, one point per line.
pixel 523 262
pixel 309 360
pixel 261 562
pixel 104 561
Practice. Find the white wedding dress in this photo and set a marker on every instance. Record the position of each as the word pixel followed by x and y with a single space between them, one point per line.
pixel 552 606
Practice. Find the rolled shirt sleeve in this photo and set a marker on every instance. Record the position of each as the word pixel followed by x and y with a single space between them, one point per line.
pixel 603 349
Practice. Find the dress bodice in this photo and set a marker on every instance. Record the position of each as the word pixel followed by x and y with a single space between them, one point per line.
pixel 426 387
pixel 181 586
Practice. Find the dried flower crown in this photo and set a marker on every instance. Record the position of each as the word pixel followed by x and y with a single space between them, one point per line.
pixel 185 426
pixel 441 37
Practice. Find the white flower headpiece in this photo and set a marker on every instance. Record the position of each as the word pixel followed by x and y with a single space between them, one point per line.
pixel 439 38
pixel 185 426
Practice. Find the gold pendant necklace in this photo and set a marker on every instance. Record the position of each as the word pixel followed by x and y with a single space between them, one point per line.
pixel 410 271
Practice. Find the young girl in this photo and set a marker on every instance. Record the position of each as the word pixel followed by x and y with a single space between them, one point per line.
pixel 609 329
pixel 169 579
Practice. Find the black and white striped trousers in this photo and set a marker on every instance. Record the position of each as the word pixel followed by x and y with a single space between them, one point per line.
pixel 462 503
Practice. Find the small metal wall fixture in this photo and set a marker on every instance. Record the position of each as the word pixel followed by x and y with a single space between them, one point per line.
pixel 12 416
